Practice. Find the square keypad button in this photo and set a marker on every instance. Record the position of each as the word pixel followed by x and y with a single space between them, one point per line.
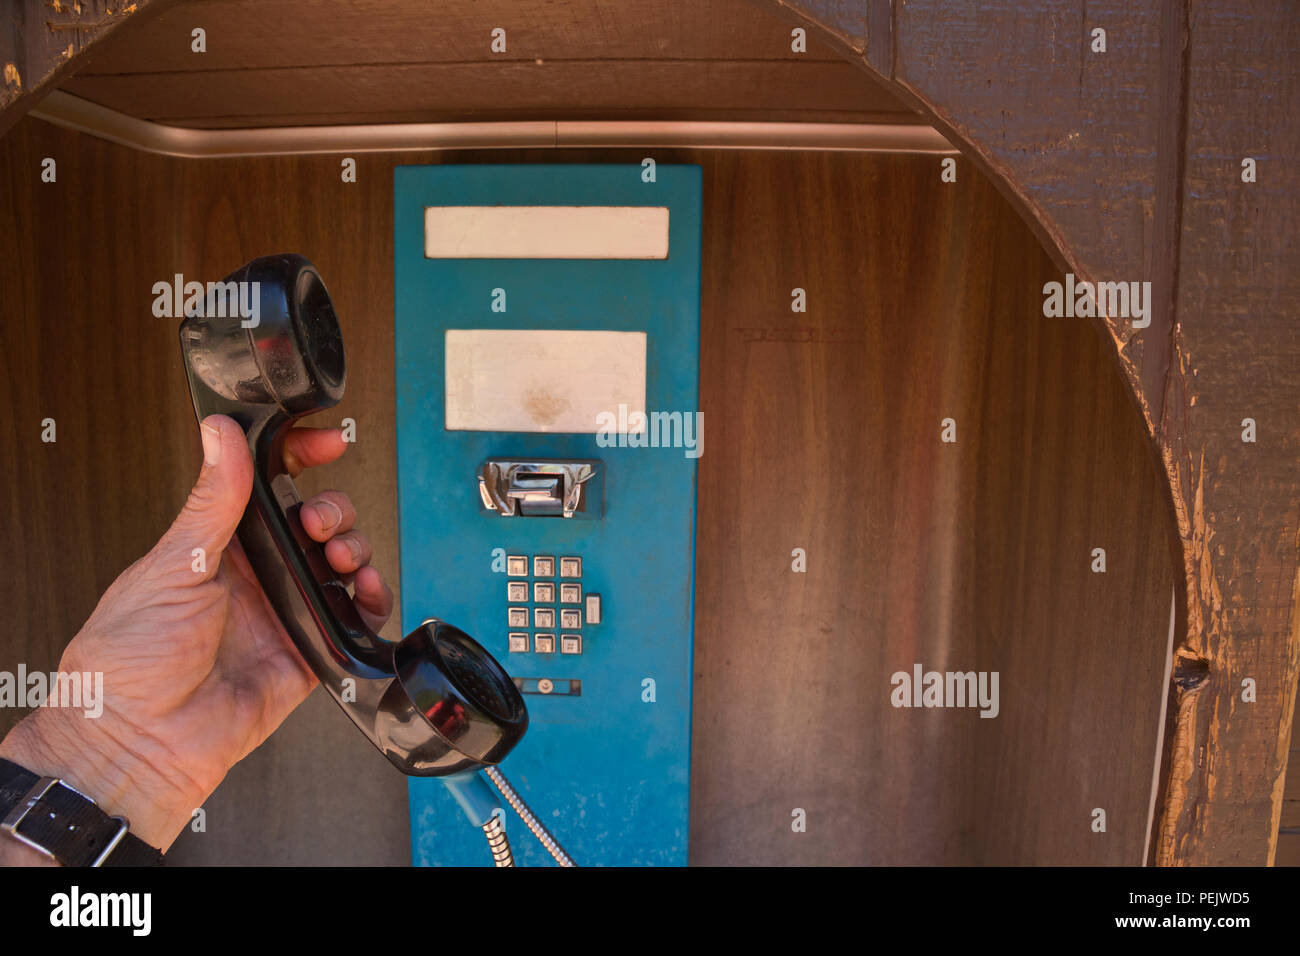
pixel 570 620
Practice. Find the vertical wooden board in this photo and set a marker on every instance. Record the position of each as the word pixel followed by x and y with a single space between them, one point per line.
pixel 1237 356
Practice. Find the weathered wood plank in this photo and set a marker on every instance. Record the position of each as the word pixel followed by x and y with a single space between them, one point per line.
pixel 1237 356
pixel 41 40
pixel 494 91
pixel 252 34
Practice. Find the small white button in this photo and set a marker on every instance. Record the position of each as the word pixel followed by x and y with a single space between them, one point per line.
pixel 570 618
pixel 544 643
pixel 543 592
pixel 518 642
pixel 570 593
pixel 516 591
pixel 570 643
pixel 517 565
pixel 545 685
pixel 518 617
pixel 593 608
pixel 543 617
pixel 543 566
pixel 570 567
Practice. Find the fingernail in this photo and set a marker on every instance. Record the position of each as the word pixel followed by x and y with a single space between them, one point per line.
pixel 211 443
pixel 329 514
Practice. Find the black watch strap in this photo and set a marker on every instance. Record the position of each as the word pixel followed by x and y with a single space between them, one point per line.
pixel 50 816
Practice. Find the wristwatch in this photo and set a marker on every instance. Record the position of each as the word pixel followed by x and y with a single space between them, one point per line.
pixel 64 824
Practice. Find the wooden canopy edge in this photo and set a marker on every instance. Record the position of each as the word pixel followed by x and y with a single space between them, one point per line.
pixel 1128 163
pixel 45 38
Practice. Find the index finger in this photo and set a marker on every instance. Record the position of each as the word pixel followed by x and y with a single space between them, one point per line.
pixel 307 447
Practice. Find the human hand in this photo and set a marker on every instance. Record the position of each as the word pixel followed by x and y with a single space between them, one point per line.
pixel 197 668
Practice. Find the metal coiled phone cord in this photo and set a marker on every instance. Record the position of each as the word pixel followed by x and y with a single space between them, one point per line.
pixel 496 832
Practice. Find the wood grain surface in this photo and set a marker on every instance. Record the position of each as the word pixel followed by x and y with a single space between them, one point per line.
pixel 381 61
pixel 824 434
pixel 1128 164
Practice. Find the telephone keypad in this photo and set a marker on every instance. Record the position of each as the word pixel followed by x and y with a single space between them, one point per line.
pixel 542 593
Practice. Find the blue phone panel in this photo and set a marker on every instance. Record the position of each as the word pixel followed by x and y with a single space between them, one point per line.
pixel 606 769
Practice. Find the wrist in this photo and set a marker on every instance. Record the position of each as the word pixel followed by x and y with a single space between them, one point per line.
pixel 88 758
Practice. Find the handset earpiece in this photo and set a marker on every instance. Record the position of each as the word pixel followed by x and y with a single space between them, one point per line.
pixel 265 348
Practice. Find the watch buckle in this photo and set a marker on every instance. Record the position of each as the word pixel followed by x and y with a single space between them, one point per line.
pixel 16 816
pixel 39 789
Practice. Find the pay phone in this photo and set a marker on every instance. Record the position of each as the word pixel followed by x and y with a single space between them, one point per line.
pixel 547 364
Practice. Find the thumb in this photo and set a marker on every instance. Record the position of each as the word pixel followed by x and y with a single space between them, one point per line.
pixel 217 501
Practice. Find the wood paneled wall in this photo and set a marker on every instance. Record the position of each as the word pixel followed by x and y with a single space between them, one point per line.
pixel 1172 158
pixel 924 303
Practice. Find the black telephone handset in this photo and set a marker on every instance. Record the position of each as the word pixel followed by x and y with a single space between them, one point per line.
pixel 436 704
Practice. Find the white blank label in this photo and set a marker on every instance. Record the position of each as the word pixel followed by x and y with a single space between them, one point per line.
pixel 546 232
pixel 508 380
